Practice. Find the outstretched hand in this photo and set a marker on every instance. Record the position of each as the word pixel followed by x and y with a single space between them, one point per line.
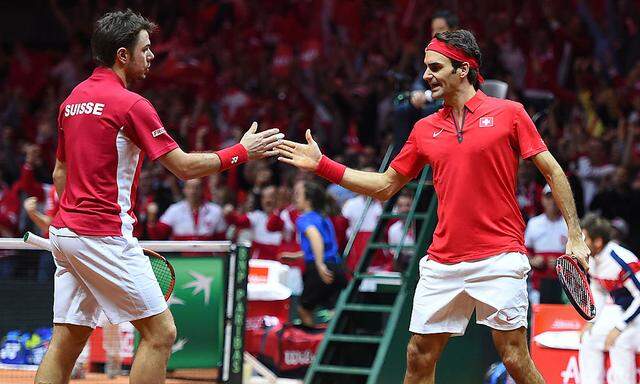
pixel 261 144
pixel 304 156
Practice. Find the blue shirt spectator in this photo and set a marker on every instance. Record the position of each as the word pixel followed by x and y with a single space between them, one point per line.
pixel 325 227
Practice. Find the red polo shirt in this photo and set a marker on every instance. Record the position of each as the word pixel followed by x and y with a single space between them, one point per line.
pixel 104 131
pixel 475 179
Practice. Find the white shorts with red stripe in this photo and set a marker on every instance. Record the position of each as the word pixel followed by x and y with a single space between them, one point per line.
pixel 95 274
pixel 447 294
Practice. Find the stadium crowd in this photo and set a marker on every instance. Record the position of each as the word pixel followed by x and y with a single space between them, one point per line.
pixel 336 67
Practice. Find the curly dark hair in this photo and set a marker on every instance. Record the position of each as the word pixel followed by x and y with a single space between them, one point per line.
pixel 464 40
pixel 115 30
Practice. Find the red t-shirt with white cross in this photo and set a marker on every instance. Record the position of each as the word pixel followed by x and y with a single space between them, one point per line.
pixel 475 178
pixel 104 131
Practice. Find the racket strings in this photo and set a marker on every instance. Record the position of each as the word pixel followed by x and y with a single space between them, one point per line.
pixel 575 285
pixel 163 274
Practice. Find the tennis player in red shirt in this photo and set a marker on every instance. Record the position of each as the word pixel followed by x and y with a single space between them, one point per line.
pixel 104 133
pixel 477 259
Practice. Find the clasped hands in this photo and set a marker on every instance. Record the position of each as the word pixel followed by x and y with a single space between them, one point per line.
pixel 271 142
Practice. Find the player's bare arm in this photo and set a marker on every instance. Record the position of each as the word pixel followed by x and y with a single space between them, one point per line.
pixel 60 176
pixel 308 156
pixel 186 166
pixel 41 220
pixel 563 197
pixel 317 246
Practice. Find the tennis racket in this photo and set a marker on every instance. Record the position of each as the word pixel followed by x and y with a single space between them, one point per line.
pixel 576 286
pixel 162 269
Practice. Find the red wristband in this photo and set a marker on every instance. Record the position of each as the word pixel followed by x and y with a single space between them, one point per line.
pixel 330 170
pixel 234 155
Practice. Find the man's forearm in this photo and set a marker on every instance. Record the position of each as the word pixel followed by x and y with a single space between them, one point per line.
pixel 564 199
pixel 367 183
pixel 199 164
pixel 191 165
pixel 379 185
pixel 41 220
pixel 202 164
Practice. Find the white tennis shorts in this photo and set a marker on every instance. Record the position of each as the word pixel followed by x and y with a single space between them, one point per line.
pixel 605 321
pixel 109 274
pixel 622 354
pixel 447 294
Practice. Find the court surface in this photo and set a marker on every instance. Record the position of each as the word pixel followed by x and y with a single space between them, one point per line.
pixel 26 377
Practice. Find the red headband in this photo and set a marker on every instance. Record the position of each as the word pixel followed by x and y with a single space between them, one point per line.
pixel 455 54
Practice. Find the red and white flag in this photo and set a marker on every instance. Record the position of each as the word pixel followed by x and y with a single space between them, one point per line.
pixel 486 121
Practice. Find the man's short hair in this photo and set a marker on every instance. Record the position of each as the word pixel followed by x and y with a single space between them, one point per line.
pixel 597 227
pixel 449 17
pixel 115 30
pixel 465 41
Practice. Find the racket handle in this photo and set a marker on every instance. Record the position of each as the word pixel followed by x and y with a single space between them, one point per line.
pixel 37 241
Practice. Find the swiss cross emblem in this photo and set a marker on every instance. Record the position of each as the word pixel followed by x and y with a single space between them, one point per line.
pixel 234 159
pixel 486 122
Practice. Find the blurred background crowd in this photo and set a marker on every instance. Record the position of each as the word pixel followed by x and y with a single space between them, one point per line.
pixel 341 68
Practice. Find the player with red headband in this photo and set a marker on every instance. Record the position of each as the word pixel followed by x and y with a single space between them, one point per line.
pixel 477 259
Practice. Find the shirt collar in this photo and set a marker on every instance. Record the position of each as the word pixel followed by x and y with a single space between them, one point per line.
pixel 472 104
pixel 607 249
pixel 105 73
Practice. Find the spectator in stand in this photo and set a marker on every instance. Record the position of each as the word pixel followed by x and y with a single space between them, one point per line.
pixel 190 219
pixel 593 168
pixel 340 223
pixel 353 209
pixel 340 194
pixel 396 229
pixel 545 238
pixel 324 275
pixel 421 104
pixel 46 266
pixel 45 195
pixel 10 209
pixel 264 243
pixel 620 231
pixel 10 196
pixel 529 191
pixel 634 222
pixel 283 220
pixel 150 190
pixel 615 196
pixel 42 220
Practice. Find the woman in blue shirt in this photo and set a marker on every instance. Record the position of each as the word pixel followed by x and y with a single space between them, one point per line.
pixel 324 276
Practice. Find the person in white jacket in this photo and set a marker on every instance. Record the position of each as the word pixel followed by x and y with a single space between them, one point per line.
pixel 615 279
